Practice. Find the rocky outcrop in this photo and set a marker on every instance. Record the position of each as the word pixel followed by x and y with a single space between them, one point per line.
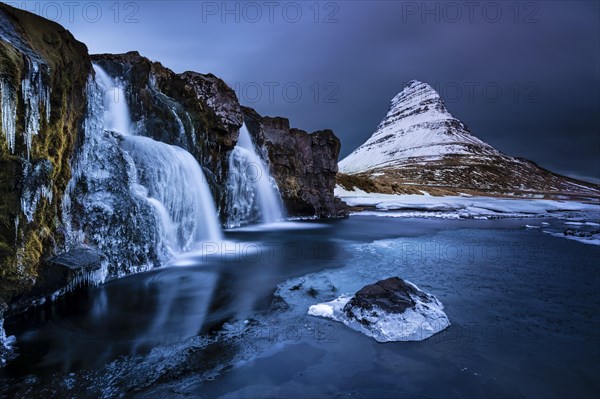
pixel 43 73
pixel 388 310
pixel 420 146
pixel 62 273
pixel 197 112
pixel 304 165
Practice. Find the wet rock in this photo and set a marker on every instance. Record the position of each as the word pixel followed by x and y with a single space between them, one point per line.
pixel 43 74
pixel 388 310
pixel 392 295
pixel 581 233
pixel 65 269
pixel 60 274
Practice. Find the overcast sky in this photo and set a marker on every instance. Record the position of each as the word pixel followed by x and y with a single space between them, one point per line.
pixel 525 77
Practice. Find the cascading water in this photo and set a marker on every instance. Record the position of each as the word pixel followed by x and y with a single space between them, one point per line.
pixel 174 184
pixel 138 200
pixel 253 192
pixel 116 111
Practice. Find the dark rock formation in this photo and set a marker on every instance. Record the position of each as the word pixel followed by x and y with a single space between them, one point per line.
pixel 194 111
pixel 392 295
pixel 43 72
pixel 580 233
pixel 304 165
pixel 61 273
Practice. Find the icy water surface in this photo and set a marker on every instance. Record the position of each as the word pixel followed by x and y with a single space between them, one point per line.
pixel 231 320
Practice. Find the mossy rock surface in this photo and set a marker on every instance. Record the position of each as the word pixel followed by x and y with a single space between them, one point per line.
pixel 24 244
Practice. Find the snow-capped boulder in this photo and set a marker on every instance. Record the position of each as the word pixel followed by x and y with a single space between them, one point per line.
pixel 389 310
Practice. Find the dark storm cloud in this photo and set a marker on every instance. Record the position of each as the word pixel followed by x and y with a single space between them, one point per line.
pixel 524 77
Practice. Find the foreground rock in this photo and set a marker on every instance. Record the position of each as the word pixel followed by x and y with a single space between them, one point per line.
pixel 389 310
pixel 76 268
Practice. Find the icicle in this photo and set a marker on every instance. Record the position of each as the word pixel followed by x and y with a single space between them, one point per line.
pixel 8 104
pixel 182 137
pixel 86 277
pixel 35 95
pixel 17 229
pixel 193 131
pixel 37 186
pixel 29 205
pixel 6 344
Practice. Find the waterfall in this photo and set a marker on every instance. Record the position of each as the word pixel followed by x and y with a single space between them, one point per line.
pixel 253 192
pixel 139 201
pixel 174 184
pixel 116 111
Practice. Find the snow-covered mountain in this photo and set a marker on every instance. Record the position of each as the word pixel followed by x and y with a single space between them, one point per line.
pixel 419 143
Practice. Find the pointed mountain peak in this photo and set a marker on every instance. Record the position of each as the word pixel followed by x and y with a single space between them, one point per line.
pixel 417 127
pixel 417 88
pixel 417 97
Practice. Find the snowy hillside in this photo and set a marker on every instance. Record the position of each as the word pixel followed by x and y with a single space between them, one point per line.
pixel 420 144
pixel 418 125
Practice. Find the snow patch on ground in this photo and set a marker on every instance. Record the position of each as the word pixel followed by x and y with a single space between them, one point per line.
pixel 594 240
pixel 460 206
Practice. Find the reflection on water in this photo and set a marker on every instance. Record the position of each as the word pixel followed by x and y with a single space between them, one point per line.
pixel 226 280
pixel 124 317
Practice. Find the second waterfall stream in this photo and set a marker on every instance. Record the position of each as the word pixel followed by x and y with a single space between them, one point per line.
pixel 253 193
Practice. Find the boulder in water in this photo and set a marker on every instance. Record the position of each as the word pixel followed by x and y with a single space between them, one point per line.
pixel 389 310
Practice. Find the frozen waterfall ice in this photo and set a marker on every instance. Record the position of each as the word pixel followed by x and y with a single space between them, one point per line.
pixel 167 176
pixel 172 181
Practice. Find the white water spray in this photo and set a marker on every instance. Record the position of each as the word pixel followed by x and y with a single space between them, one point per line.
pixel 175 186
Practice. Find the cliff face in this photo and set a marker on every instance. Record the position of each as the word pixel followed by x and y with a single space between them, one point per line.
pixel 43 72
pixel 194 111
pixel 304 165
